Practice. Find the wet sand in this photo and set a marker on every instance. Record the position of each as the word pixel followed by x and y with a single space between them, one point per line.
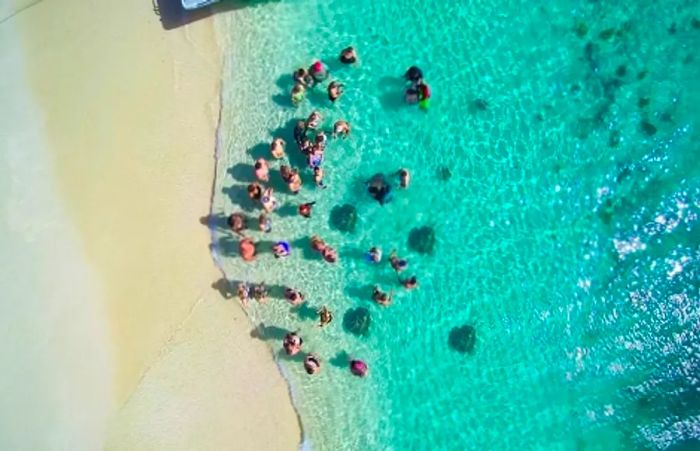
pixel 129 112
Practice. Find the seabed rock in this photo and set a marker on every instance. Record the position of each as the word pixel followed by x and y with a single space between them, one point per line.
pixel 357 321
pixel 463 339
pixel 422 239
pixel 344 218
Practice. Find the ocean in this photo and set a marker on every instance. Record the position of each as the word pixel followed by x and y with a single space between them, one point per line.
pixel 555 186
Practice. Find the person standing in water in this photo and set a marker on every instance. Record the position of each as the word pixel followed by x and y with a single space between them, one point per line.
pixel 325 316
pixel 243 293
pixel 262 170
pixel 380 297
pixel 277 148
pixel 404 177
pixel 398 264
pixel 305 209
pixel 335 90
pixel 348 55
pixel 312 364
pixel 318 177
pixel 341 129
pixel 410 283
pixel 265 223
pixel 358 368
pixel 374 255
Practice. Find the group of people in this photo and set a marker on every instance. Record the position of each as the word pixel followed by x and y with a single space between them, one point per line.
pixel 316 74
pixel 311 141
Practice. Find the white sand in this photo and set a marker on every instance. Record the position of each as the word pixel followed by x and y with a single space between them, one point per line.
pixel 129 113
pixel 56 379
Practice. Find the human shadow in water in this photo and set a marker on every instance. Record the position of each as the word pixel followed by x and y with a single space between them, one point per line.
pixel 217 221
pixel 227 289
pixel 304 244
pixel 340 360
pixel 287 211
pixel 242 172
pixel 304 311
pixel 392 92
pixel 355 254
pixel 260 150
pixel 239 197
pixel 267 333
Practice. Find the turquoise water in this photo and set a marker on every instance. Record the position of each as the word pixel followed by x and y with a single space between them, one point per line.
pixel 567 234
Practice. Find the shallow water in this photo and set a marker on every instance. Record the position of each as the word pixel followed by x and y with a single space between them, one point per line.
pixel 566 235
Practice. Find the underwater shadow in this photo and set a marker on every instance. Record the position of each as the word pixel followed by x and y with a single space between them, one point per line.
pixel 340 360
pixel 242 172
pixel 305 312
pixel 267 333
pixel 260 150
pixel 239 196
pixel 216 221
pixel 305 245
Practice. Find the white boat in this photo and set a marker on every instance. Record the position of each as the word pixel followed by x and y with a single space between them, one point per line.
pixel 194 4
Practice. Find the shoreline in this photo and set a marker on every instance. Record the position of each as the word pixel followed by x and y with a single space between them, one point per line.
pixel 218 263
pixel 123 136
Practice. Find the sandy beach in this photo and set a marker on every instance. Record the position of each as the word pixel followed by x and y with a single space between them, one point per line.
pixel 128 113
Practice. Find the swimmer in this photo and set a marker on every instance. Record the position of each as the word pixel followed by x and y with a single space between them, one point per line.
pixel 397 263
pixel 314 120
pixel 265 223
pixel 260 293
pixel 305 209
pixel 286 173
pixel 317 244
pixel 341 128
pixel 410 283
pixel 335 90
pixel 281 249
pixel 318 177
pixel 295 182
pixel 312 364
pixel 315 158
pixel 306 146
pixel 243 293
pixel 268 201
pixel 374 255
pixel 321 139
pixel 329 254
pixel 255 191
pixel 379 189
pixel 404 177
pixel 302 76
pixel 262 170
pixel 414 74
pixel 318 71
pixel 359 368
pixel 277 148
pixel 299 132
pixel 293 296
pixel 237 223
pixel 380 297
pixel 325 316
pixel 292 343
pixel 246 247
pixel 298 94
pixel 348 55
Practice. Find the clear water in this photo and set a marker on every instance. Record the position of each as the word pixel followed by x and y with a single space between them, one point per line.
pixel 567 234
